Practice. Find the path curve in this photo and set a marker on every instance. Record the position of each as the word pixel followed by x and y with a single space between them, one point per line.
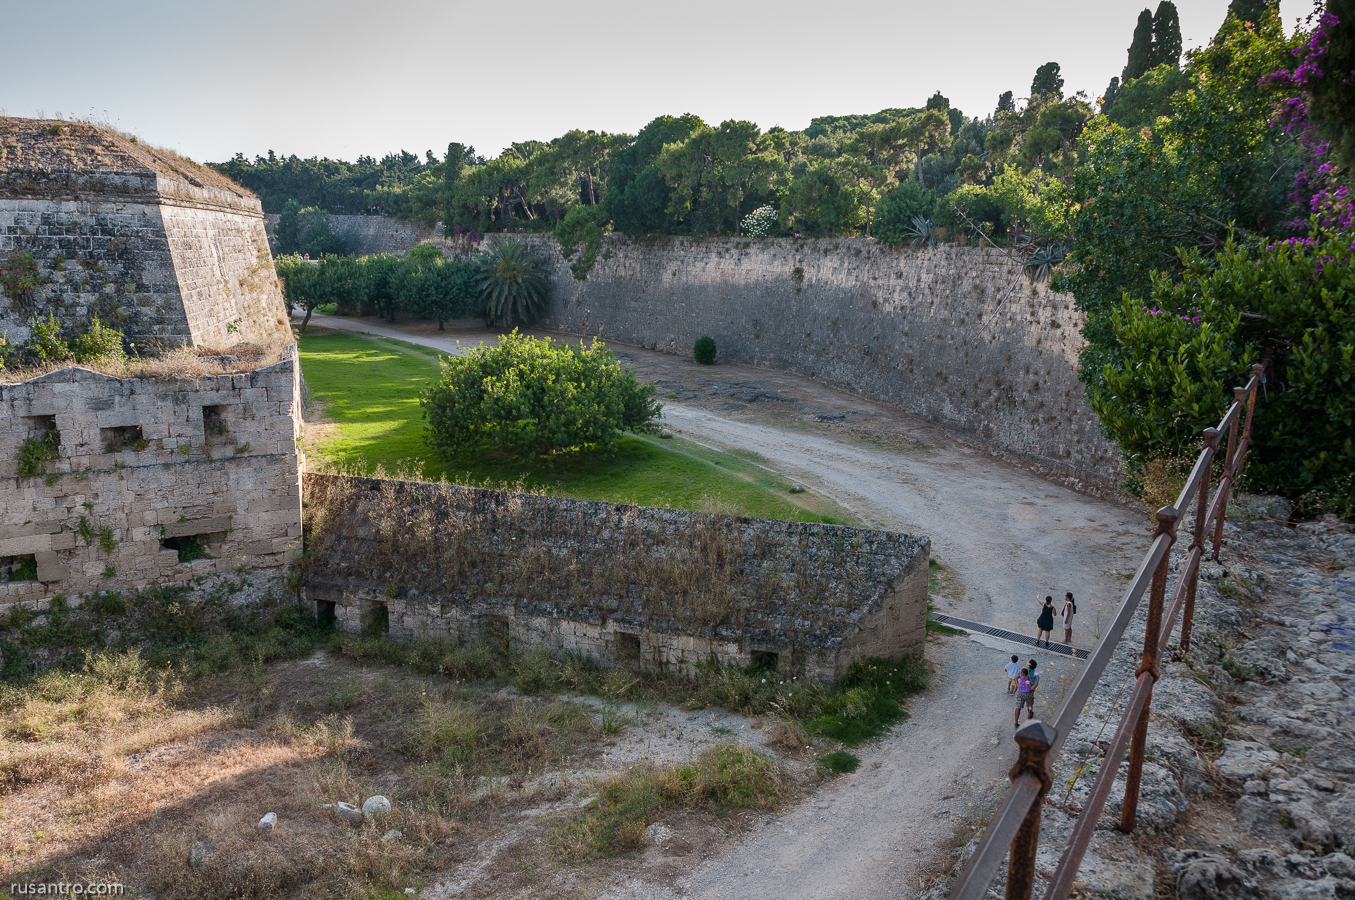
pixel 1007 534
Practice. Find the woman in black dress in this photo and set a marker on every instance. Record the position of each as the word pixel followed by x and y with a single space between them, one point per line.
pixel 1046 621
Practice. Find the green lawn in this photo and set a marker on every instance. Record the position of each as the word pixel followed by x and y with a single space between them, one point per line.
pixel 369 391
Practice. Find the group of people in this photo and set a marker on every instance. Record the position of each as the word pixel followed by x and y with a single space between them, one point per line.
pixel 1022 681
pixel 1045 624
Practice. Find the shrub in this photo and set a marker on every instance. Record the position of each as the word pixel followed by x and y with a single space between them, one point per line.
pixel 99 344
pixel 703 351
pixel 44 341
pixel 36 451
pixel 533 397
pixel 840 762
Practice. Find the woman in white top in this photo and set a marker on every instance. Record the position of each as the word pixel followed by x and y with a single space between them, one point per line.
pixel 1069 610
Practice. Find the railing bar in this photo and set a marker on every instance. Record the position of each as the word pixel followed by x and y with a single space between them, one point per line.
pixel 1100 658
pixel 1196 476
pixel 1233 412
pixel 983 865
pixel 1066 870
pixel 1179 597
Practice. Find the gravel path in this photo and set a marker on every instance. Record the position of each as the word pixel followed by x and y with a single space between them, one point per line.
pixel 1006 533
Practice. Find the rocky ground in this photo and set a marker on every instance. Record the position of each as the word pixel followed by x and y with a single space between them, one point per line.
pixel 1249 790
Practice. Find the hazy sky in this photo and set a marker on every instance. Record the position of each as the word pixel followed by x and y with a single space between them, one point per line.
pixel 342 78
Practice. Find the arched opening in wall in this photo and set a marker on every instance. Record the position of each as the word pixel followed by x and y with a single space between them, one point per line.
pixel 195 546
pixel 325 612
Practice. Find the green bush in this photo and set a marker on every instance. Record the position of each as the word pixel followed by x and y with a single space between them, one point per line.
pixel 35 451
pixel 533 397
pixel 840 762
pixel 1187 347
pixel 703 351
pixel 44 340
pixel 99 344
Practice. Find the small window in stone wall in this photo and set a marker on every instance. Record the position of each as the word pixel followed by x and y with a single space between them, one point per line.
pixel 627 648
pixel 193 546
pixel 765 661
pixel 376 619
pixel 123 437
pixel 214 422
pixel 18 568
pixel 494 632
pixel 42 445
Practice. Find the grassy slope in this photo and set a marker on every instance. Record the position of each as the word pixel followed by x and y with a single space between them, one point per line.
pixel 369 390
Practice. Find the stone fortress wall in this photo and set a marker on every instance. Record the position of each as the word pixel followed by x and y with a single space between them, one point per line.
pixel 663 588
pixel 957 336
pixel 143 466
pixel 169 252
pixel 370 235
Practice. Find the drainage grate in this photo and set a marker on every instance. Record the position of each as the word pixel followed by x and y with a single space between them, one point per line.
pixel 978 628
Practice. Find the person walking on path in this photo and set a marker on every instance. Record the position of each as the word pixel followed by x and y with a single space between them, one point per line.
pixel 1025 696
pixel 1013 670
pixel 1069 610
pixel 1045 623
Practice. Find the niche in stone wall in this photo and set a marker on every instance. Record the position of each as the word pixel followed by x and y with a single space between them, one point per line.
pixel 214 421
pixel 18 568
pixel 765 660
pixel 494 632
pixel 376 619
pixel 195 546
pixel 627 648
pixel 325 612
pixel 123 437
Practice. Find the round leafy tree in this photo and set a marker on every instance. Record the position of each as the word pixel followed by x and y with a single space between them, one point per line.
pixel 512 283
pixel 533 397
pixel 704 350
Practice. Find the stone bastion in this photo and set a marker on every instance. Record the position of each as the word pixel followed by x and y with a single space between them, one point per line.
pixel 169 252
pixel 131 482
pixel 661 588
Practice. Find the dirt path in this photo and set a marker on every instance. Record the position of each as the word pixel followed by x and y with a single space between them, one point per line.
pixel 1004 533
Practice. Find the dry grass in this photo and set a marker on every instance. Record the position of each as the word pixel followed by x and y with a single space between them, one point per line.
pixel 175 364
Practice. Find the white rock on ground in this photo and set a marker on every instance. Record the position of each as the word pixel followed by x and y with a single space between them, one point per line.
pixel 268 823
pixel 375 807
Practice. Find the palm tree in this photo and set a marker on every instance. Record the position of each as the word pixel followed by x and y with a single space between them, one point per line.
pixel 512 283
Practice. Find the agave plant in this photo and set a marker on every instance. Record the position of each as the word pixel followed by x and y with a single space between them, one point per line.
pixel 1041 264
pixel 921 232
pixel 512 283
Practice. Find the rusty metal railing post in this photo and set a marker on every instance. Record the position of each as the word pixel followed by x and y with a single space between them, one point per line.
pixel 1239 394
pixel 1166 526
pixel 1211 442
pixel 1034 739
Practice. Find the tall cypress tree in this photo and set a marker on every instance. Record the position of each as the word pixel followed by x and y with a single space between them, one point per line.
pixel 1108 98
pixel 1248 10
pixel 1005 102
pixel 1166 35
pixel 1140 50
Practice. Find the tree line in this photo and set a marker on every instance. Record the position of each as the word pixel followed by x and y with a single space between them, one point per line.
pixel 1158 206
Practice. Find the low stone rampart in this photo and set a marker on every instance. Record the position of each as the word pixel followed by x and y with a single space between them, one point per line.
pixel 148 474
pixel 661 587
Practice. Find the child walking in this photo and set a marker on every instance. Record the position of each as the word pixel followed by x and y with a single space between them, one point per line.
pixel 1013 669
pixel 1025 696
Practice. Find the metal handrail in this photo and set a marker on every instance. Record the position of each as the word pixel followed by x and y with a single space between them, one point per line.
pixel 1015 825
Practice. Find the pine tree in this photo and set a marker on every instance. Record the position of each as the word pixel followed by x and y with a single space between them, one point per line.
pixel 1140 50
pixel 1047 81
pixel 1005 103
pixel 1166 35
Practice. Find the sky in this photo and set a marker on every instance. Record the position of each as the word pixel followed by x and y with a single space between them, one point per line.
pixel 343 78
